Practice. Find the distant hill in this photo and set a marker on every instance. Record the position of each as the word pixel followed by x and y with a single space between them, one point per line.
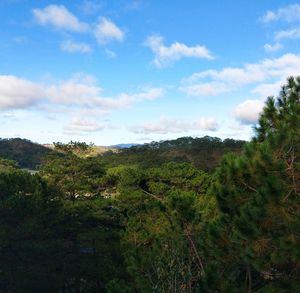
pixel 204 152
pixel 28 154
pixel 123 145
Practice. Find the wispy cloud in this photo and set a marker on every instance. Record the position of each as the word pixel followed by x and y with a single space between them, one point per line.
pixel 272 48
pixel 107 31
pixel 133 5
pixel 288 34
pixel 168 55
pixel 289 13
pixel 59 17
pixel 74 47
pixel 89 7
pixel 83 126
pixel 228 79
pixel 206 89
pixel 173 125
pixel 110 53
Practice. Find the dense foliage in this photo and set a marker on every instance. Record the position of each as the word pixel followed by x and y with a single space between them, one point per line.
pixel 203 152
pixel 149 220
pixel 28 154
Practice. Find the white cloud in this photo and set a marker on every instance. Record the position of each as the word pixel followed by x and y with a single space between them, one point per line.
pixel 288 13
pixel 16 93
pixel 84 92
pixel 206 89
pixel 213 82
pixel 248 111
pixel 272 48
pixel 125 100
pixel 167 55
pixel 73 47
pixel 207 124
pixel 268 89
pixel 81 126
pixel 79 92
pixel 59 17
pixel 106 31
pixel 170 125
pixel 269 16
pixel 288 34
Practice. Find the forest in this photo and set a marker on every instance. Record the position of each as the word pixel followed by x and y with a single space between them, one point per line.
pixel 183 216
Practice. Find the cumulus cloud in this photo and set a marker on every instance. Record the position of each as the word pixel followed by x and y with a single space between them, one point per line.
pixel 73 47
pixel 77 91
pixel 170 125
pixel 80 91
pixel 82 126
pixel 84 92
pixel 272 48
pixel 228 79
pixel 59 17
pixel 167 55
pixel 289 13
pixel 248 111
pixel 16 93
pixel 107 31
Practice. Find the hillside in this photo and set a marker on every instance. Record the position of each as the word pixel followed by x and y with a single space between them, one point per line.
pixel 204 152
pixel 92 151
pixel 28 154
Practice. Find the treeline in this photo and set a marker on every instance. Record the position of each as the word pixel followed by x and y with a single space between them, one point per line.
pixel 204 152
pixel 83 225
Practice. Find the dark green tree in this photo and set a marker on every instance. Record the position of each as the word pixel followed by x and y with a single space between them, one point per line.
pixel 73 175
pixel 254 246
pixel 166 207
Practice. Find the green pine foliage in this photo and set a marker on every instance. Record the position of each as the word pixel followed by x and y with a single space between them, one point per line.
pixel 257 234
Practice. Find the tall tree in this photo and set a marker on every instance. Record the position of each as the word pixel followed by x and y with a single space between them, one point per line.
pixel 255 244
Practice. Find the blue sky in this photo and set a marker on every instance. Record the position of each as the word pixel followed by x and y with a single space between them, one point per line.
pixel 122 71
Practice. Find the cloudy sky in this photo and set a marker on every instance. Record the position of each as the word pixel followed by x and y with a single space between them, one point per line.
pixel 140 70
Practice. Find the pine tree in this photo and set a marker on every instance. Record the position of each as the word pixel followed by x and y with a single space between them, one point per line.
pixel 254 246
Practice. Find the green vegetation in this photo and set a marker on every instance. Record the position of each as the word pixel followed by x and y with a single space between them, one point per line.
pixel 204 152
pixel 28 154
pixel 160 217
